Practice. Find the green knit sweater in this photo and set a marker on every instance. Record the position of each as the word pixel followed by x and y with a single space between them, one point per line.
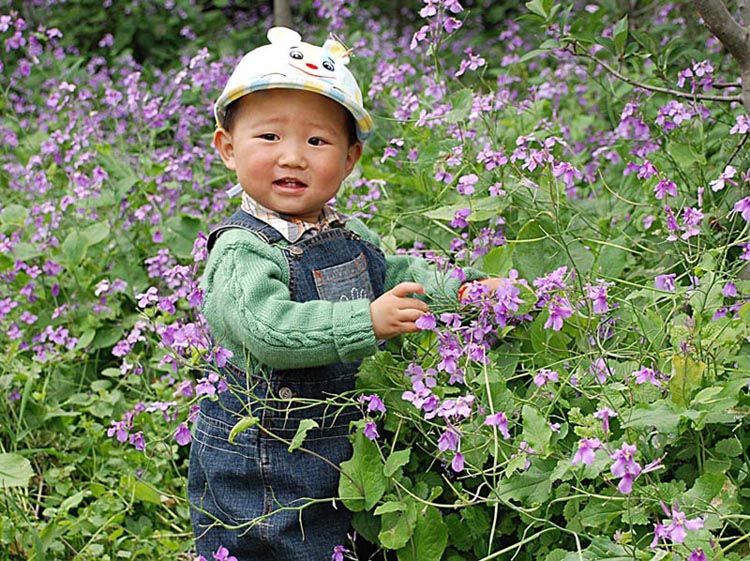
pixel 249 310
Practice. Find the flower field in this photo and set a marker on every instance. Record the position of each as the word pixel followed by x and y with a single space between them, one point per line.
pixel 595 158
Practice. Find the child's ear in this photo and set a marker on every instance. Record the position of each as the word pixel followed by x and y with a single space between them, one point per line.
pixel 352 157
pixel 225 147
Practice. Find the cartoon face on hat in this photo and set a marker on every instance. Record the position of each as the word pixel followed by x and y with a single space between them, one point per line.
pixel 288 62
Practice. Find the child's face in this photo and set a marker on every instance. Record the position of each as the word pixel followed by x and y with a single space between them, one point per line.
pixel 290 150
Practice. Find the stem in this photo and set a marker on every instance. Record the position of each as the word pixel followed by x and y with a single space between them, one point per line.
pixel 495 451
pixel 648 87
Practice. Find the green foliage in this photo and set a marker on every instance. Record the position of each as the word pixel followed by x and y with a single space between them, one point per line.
pixel 108 178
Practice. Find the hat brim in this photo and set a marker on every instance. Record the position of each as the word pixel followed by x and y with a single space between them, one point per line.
pixel 362 118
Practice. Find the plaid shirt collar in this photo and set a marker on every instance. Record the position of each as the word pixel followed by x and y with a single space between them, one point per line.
pixel 293 229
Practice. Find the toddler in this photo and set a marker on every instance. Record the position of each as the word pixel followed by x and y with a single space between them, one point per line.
pixel 300 294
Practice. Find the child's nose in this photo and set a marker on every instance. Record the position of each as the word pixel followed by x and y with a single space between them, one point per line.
pixel 292 157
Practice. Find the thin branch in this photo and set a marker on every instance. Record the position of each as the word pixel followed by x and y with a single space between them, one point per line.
pixel 649 87
pixel 734 37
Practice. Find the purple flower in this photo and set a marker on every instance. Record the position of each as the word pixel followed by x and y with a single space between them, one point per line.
pixel 697 555
pixel 647 375
pixel 605 414
pixel 426 322
pixel 500 421
pixel 559 311
pixel 675 529
pixel 544 376
pixel 182 435
pixel 665 282
pixel 371 430
pixel 597 293
pixel 724 178
pixel 466 184
pixel 222 554
pixel 600 370
pixel 729 290
pixel 449 440
pixel 338 553
pixel 374 403
pixel 625 467
pixel 743 207
pixel 457 464
pixel 586 450
pixel 459 219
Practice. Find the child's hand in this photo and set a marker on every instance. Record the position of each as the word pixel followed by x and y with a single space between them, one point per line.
pixel 395 312
pixel 492 283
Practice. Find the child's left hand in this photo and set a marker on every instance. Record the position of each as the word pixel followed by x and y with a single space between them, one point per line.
pixel 492 283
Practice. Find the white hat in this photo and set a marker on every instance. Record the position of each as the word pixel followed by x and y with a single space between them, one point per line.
pixel 288 62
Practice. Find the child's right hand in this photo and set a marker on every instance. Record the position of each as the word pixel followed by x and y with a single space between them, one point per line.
pixel 395 312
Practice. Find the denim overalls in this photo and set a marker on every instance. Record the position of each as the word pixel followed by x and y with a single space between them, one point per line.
pixel 247 495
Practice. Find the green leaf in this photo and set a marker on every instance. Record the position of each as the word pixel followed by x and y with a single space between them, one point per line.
pixel 13 214
pixel 397 527
pixel 530 487
pixel 74 248
pixel 687 376
pixel 646 416
pixel 362 481
pixel 429 540
pixel 96 233
pixel 499 261
pixel 180 233
pixel 15 471
pixel 304 426
pixel 390 506
pixel 242 425
pixel 538 7
pixel 397 459
pixel 684 155
pixel 462 103
pixel 620 34
pixel 536 431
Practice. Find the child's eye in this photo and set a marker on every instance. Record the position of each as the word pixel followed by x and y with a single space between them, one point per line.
pixel 315 141
pixel 269 136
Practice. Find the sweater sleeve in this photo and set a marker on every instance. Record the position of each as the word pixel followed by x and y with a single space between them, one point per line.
pixel 249 309
pixel 441 286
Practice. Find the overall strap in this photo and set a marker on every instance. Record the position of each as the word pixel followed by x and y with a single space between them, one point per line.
pixel 244 221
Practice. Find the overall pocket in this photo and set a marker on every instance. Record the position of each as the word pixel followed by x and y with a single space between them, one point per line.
pixel 346 281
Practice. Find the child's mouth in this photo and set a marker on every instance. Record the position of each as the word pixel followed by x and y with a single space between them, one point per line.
pixel 289 183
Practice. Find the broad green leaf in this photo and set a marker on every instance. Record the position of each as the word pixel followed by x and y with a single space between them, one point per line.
pixel 15 471
pixel 499 261
pixel 538 7
pixel 729 447
pixel 684 155
pixel 462 103
pixel 74 247
pixel 397 459
pixel 304 426
pixel 180 233
pixel 142 490
pixel 397 527
pixel 687 376
pixel 13 214
pixel 536 430
pixel 429 540
pixel 390 506
pixel 620 34
pixel 529 487
pixel 96 233
pixel 242 425
pixel 362 481
pixel 646 416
